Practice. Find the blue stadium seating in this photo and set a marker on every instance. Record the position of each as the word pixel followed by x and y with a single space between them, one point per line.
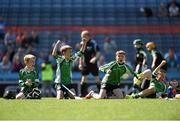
pixel 89 12
pixel 68 9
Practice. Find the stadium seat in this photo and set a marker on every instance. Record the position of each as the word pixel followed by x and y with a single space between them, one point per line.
pixel 90 13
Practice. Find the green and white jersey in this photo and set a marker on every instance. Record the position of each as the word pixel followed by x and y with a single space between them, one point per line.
pixel 25 74
pixel 118 71
pixel 64 68
pixel 158 85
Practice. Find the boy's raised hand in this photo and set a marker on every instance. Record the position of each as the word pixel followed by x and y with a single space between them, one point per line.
pixel 84 40
pixel 58 42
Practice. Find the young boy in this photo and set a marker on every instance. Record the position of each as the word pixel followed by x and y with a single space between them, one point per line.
pixel 141 56
pixel 28 79
pixel 173 90
pixel 64 67
pixel 156 55
pixel 115 72
pixel 141 64
pixel 88 64
pixel 157 84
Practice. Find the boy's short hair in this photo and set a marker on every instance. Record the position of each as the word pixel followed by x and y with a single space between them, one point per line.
pixel 151 45
pixel 28 57
pixel 121 52
pixel 85 32
pixel 65 47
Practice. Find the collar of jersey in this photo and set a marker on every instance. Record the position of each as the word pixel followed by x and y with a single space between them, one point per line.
pixel 66 59
pixel 120 64
pixel 28 69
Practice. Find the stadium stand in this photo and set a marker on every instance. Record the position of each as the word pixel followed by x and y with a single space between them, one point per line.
pixel 55 18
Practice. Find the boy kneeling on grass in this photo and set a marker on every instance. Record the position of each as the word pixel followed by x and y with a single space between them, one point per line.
pixel 63 81
pixel 157 82
pixel 115 71
pixel 29 80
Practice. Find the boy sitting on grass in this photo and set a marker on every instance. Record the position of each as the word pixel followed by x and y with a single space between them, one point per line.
pixel 157 82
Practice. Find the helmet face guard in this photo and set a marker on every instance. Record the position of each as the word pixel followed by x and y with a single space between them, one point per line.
pixel 137 42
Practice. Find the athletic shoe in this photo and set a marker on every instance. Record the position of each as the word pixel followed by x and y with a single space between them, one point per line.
pixel 132 96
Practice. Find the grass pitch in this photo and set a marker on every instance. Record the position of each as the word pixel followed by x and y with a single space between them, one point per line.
pixel 50 108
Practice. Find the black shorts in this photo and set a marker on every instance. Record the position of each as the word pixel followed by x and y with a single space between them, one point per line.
pixel 91 68
pixel 109 87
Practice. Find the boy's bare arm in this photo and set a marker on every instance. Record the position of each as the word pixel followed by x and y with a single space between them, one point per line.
pixel 148 74
pixel 82 50
pixel 81 63
pixel 54 52
pixel 160 65
pixel 83 45
pixel 153 62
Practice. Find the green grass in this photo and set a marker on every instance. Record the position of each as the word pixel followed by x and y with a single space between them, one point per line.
pixel 50 108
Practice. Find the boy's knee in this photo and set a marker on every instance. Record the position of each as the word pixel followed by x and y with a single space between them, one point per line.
pixel 177 96
pixel 20 96
pixel 59 95
pixel 101 96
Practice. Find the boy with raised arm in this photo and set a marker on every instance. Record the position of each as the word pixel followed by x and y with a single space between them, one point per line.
pixel 64 68
pixel 157 82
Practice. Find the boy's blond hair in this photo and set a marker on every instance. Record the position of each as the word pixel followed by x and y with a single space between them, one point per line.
pixel 65 47
pixel 28 57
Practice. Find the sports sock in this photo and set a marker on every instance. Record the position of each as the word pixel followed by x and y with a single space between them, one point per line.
pixel 83 89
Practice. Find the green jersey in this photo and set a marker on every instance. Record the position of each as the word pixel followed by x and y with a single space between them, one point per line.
pixel 25 75
pixel 158 85
pixel 64 68
pixel 118 71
